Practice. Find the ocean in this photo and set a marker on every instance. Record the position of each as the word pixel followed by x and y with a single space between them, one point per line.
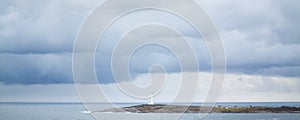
pixel 76 111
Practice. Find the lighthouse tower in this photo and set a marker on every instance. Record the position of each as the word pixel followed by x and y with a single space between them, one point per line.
pixel 151 101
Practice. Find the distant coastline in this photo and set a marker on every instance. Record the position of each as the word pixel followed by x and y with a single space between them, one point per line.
pixel 162 108
pixel 225 104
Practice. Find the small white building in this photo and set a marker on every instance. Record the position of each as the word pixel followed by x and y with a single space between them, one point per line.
pixel 150 102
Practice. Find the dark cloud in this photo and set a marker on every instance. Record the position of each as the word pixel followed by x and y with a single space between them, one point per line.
pixel 35 68
pixel 36 40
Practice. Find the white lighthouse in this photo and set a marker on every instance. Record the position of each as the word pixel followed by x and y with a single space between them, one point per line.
pixel 150 102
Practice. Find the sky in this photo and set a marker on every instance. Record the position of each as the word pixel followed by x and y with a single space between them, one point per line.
pixel 261 41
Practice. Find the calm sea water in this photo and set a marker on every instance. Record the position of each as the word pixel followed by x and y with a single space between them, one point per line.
pixel 74 111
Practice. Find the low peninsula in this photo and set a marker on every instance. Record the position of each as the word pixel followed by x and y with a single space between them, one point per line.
pixel 160 108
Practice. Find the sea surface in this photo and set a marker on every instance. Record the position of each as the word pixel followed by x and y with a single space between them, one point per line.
pixel 76 111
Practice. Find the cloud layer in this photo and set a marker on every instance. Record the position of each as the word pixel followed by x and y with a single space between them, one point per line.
pixel 237 88
pixel 36 40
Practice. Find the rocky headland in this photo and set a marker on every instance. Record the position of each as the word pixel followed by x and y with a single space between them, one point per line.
pixel 160 108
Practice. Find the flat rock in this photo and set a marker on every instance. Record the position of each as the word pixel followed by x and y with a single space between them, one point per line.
pixel 160 108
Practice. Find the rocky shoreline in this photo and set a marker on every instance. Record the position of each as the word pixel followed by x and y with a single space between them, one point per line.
pixel 160 108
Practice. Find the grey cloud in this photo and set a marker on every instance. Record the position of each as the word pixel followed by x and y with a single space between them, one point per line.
pixel 40 26
pixel 260 37
pixel 35 68
pixel 261 20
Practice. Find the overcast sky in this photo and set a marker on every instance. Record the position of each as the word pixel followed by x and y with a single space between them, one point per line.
pixel 261 40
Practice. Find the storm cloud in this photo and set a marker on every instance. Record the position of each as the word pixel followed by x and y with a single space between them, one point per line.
pixel 37 37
